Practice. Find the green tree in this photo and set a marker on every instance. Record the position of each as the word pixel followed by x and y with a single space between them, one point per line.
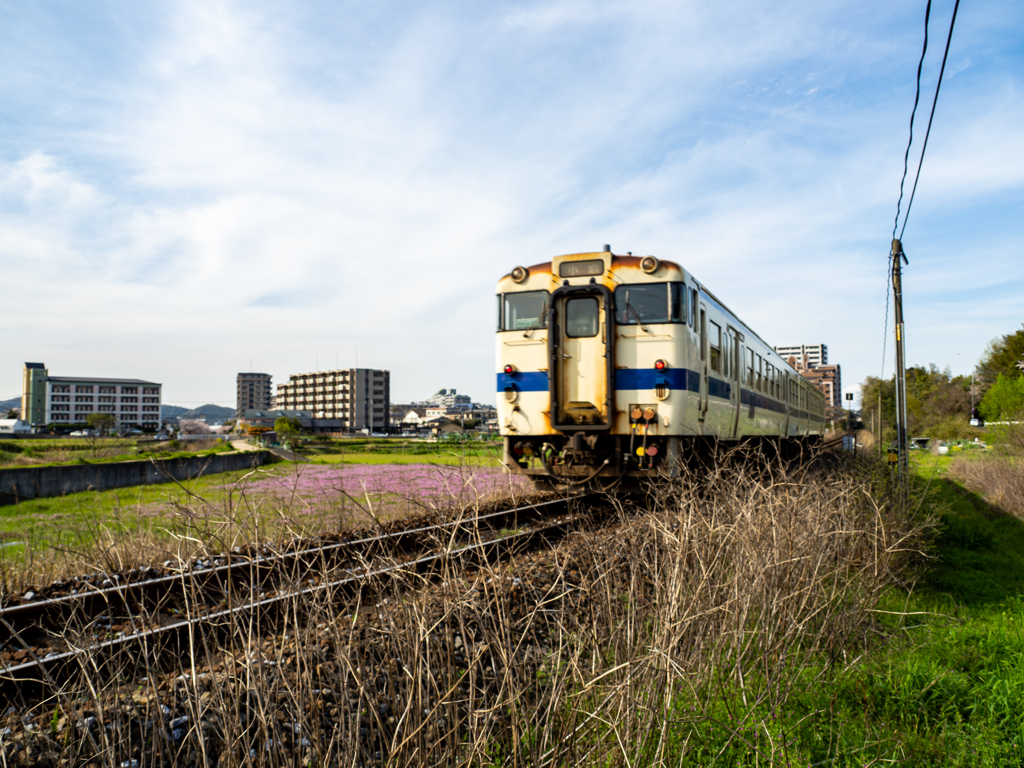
pixel 1003 356
pixel 1004 399
pixel 286 426
pixel 102 423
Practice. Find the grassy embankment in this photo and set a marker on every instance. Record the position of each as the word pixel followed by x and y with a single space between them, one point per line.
pixel 109 530
pixel 46 453
pixel 947 686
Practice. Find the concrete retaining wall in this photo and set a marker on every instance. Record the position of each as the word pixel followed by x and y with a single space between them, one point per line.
pixel 21 483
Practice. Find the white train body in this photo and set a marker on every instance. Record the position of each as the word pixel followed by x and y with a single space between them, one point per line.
pixel 613 366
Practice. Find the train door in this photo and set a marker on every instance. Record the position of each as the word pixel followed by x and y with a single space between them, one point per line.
pixel 580 371
pixel 734 367
pixel 702 402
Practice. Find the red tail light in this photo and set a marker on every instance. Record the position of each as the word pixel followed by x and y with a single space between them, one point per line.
pixel 510 368
pixel 660 365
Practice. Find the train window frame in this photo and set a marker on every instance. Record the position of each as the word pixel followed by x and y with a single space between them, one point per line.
pixel 760 374
pixel 693 310
pixel 580 301
pixel 715 350
pixel 503 314
pixel 750 367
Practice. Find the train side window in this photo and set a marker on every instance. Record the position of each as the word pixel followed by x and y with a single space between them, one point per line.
pixel 679 313
pixel 760 373
pixel 703 336
pixel 715 342
pixel 693 307
pixel 750 367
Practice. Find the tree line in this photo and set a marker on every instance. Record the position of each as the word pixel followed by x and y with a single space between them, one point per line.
pixel 940 405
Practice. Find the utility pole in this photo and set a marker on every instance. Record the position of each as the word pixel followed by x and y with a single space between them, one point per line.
pixel 880 420
pixel 898 259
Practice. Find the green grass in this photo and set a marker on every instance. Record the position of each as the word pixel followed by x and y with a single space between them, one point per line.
pixel 402 451
pixel 942 686
pixel 73 519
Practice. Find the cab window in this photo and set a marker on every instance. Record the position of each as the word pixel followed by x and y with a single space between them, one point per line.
pixel 650 303
pixel 523 311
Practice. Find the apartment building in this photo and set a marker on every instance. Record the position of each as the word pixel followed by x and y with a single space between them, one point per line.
pixel 253 392
pixel 450 398
pixel 804 355
pixel 60 400
pixel 359 397
pixel 828 380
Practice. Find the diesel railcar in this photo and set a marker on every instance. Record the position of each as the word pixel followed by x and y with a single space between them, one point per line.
pixel 613 367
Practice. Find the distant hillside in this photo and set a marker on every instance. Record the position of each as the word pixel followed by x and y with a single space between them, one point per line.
pixel 210 411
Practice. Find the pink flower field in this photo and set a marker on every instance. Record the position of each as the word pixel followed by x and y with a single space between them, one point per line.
pixel 384 488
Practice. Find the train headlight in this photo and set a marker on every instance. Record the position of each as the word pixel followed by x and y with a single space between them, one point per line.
pixel 648 264
pixel 519 274
pixel 660 365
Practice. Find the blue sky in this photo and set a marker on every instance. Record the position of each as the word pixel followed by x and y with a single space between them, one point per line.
pixel 186 187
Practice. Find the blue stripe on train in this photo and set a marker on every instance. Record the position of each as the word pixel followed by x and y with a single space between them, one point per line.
pixel 523 381
pixel 678 379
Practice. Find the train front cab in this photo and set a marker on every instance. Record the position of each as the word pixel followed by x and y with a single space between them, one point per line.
pixel 614 333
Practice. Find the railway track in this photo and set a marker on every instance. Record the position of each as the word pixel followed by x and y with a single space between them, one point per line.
pixel 145 623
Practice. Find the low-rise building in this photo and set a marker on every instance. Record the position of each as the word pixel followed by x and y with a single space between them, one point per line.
pixel 14 427
pixel 61 400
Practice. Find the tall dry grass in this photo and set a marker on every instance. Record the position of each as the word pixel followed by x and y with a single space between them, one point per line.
pixel 700 607
pixel 998 477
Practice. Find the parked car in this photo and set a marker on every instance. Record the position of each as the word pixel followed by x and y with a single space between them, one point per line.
pixel 82 433
pixel 162 436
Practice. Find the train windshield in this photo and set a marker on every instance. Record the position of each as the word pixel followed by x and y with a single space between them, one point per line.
pixel 523 311
pixel 642 303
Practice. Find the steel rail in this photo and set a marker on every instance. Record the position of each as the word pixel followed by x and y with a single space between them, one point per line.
pixel 58 610
pixel 56 667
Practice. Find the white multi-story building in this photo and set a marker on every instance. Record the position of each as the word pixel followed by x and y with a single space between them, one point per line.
pixel 359 397
pixel 804 355
pixel 450 398
pixel 70 399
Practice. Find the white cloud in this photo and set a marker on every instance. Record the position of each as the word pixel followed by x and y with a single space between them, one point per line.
pixel 282 182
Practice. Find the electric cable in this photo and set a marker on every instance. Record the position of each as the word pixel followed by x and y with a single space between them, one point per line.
pixel 931 117
pixel 910 141
pixel 920 162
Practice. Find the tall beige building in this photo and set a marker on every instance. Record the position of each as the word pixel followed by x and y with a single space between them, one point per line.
pixel 359 397
pixel 253 392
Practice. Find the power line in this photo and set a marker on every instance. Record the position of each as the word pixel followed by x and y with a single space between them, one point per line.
pixel 928 131
pixel 906 156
